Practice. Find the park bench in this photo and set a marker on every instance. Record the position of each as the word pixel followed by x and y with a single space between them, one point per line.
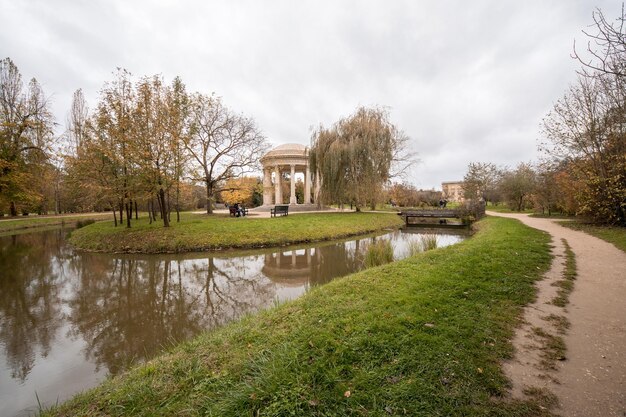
pixel 282 210
pixel 233 211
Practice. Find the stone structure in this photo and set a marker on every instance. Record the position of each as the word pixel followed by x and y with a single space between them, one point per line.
pixel 292 158
pixel 453 191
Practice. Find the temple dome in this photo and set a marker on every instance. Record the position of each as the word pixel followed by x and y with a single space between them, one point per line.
pixel 287 149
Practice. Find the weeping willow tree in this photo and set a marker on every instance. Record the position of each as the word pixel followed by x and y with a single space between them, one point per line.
pixel 355 157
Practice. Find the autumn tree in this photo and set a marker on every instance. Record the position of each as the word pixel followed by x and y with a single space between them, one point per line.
pixel 222 145
pixel 177 125
pixel 150 142
pixel 239 190
pixel 356 156
pixel 26 136
pixel 403 195
pixel 587 130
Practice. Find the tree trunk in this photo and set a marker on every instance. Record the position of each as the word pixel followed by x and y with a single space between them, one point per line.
pixel 169 207
pixel 114 214
pixel 152 207
pixel 13 209
pixel 150 211
pixel 177 203
pixel 121 212
pixel 209 198
pixel 136 211
pixel 166 221
pixel 129 213
pixel 160 206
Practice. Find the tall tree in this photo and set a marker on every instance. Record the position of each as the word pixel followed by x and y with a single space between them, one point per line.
pixel 518 185
pixel 150 146
pixel 222 145
pixel 357 156
pixel 481 181
pixel 177 125
pixel 77 120
pixel 26 135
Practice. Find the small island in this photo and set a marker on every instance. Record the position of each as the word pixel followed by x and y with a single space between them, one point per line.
pixel 200 232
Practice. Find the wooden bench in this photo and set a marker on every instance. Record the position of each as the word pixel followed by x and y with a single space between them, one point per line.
pixel 282 210
pixel 242 210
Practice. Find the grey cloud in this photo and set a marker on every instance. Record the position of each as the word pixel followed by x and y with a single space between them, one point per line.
pixel 467 81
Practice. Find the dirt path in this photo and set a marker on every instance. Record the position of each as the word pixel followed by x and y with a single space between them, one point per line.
pixel 591 381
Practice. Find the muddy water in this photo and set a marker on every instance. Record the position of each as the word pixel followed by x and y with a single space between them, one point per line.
pixel 69 319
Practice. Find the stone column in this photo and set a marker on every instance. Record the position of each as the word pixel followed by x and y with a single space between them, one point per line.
pixel 307 185
pixel 267 187
pixel 292 195
pixel 278 194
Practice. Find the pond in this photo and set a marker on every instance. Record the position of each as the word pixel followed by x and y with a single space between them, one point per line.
pixel 68 319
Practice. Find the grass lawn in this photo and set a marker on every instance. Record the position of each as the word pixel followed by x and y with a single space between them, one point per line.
pixel 613 234
pixel 505 209
pixel 202 232
pixel 424 336
pixel 10 224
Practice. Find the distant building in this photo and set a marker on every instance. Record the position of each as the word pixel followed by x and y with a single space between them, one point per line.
pixel 453 191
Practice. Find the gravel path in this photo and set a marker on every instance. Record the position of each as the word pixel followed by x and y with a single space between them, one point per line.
pixel 591 381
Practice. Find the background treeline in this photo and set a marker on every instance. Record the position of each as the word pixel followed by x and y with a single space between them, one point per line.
pixel 146 145
pixel 584 147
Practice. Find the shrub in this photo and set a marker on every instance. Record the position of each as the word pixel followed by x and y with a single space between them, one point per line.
pixel 83 223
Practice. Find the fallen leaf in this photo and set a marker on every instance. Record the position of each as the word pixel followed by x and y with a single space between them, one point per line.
pixel 429 325
pixel 480 370
pixel 347 394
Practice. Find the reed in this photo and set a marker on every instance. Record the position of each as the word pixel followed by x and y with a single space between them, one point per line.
pixel 378 253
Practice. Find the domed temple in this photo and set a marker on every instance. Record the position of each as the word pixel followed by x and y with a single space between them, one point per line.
pixel 290 158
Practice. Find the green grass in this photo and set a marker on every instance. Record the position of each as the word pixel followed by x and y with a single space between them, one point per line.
pixel 566 285
pixel 505 209
pixel 552 348
pixel 612 234
pixel 424 336
pixel 21 223
pixel 202 232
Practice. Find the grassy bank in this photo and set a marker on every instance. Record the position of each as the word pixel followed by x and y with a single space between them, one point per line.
pixel 30 222
pixel 201 232
pixel 612 234
pixel 423 337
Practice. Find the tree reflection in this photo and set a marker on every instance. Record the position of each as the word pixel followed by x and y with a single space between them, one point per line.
pixel 127 309
pixel 30 312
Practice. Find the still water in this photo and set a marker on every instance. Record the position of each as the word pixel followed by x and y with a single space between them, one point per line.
pixel 68 319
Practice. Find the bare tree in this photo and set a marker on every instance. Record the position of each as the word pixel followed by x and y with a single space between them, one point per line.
pixel 606 47
pixel 77 120
pixel 222 145
pixel 481 181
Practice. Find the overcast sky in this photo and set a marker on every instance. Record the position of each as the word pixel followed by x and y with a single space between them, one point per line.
pixel 465 80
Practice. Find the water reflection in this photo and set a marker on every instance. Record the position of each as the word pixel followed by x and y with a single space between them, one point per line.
pixel 67 319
